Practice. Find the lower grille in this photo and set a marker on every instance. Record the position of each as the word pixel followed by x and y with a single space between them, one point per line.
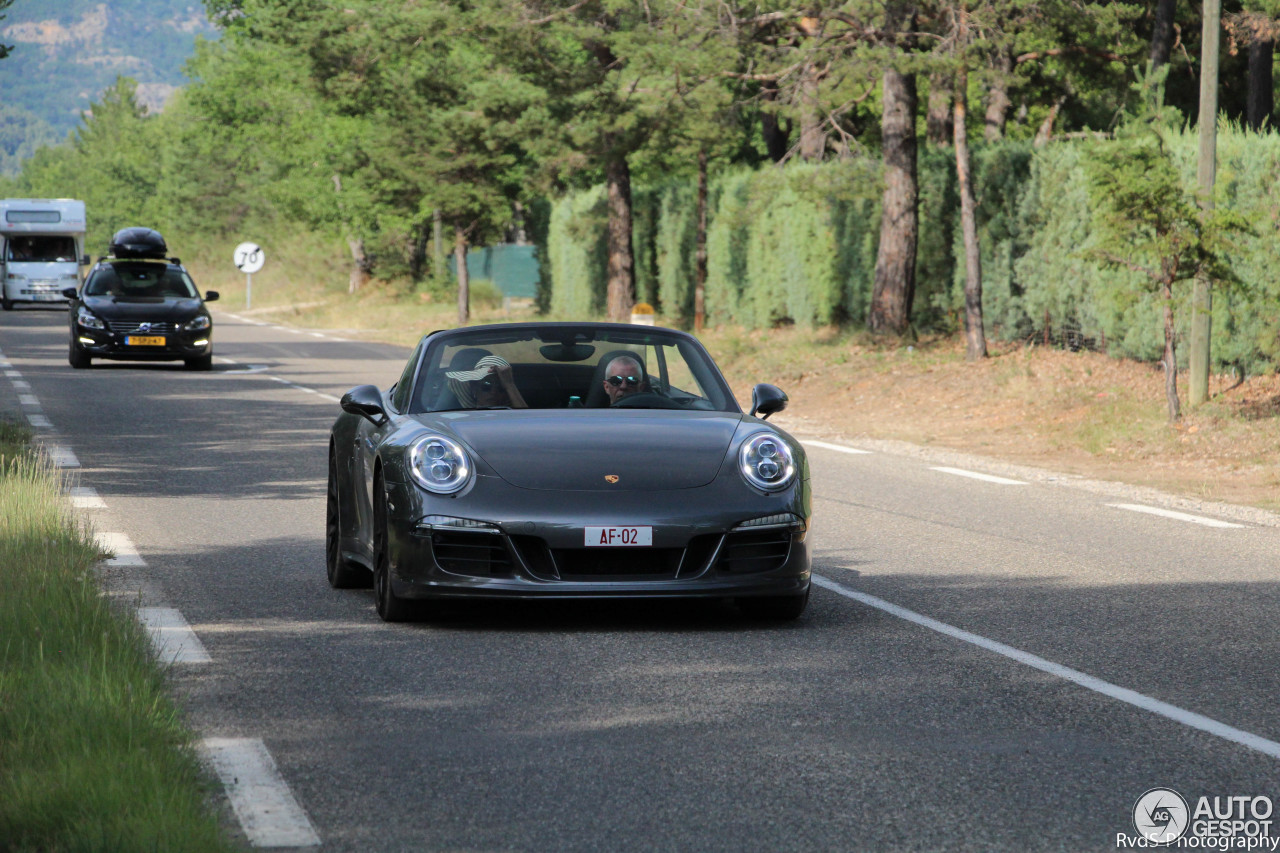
pixel 755 551
pixel 474 554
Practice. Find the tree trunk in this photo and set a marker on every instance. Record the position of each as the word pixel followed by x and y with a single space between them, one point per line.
pixel 1045 133
pixel 975 338
pixel 1170 361
pixel 1261 97
pixel 895 276
pixel 998 102
pixel 813 141
pixel 620 296
pixel 700 250
pixel 938 119
pixel 1162 34
pixel 776 137
pixel 464 278
pixel 359 276
pixel 439 264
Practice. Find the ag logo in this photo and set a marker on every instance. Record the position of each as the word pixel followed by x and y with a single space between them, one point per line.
pixel 611 478
pixel 1161 815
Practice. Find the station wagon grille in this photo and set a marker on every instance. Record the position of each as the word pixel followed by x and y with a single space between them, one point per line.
pixel 131 328
pixel 755 551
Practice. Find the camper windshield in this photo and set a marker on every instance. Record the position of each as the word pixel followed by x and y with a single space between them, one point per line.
pixel 41 249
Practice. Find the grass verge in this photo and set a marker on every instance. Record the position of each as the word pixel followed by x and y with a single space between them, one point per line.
pixel 93 754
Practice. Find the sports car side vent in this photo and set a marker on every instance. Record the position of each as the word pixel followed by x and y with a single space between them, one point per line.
pixel 474 554
pixel 755 551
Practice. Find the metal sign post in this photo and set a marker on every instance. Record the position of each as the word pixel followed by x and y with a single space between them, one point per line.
pixel 249 258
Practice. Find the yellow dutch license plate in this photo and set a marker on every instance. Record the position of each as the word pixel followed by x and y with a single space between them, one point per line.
pixel 144 341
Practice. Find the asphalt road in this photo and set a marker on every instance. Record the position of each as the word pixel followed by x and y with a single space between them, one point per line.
pixel 657 727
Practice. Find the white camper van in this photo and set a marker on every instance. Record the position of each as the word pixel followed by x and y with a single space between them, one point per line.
pixel 41 248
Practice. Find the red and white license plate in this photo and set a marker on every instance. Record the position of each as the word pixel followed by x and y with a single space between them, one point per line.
pixel 618 537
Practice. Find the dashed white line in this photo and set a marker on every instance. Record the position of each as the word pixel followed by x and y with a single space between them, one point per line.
pixel 39 421
pixel 1089 682
pixel 974 475
pixel 171 636
pixel 28 400
pixel 18 384
pixel 83 497
pixel 1177 516
pixel 122 546
pixel 62 457
pixel 267 809
pixel 838 447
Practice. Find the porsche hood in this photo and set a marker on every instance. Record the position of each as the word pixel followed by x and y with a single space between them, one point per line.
pixel 606 450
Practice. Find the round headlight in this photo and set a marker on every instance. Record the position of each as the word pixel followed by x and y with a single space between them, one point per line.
pixel 766 462
pixel 439 464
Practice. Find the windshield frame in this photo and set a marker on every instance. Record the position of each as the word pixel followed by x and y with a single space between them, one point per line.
pixel 602 337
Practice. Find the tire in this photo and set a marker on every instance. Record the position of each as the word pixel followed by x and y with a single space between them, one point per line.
pixel 390 608
pixel 774 608
pixel 78 358
pixel 204 362
pixel 342 574
pixel 6 304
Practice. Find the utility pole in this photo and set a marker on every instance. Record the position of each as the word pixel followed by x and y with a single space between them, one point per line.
pixel 1206 172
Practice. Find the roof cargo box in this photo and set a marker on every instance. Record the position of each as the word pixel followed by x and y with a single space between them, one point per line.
pixel 138 243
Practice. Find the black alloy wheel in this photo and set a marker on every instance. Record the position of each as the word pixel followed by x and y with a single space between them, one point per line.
pixel 77 357
pixel 390 608
pixel 342 574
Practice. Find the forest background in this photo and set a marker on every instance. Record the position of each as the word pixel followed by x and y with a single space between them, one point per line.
pixel 754 165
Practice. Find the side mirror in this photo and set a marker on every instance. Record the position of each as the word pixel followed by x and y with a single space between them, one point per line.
pixel 69 292
pixel 211 296
pixel 365 401
pixel 766 400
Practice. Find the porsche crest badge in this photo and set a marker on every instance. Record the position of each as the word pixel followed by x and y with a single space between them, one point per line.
pixel 611 478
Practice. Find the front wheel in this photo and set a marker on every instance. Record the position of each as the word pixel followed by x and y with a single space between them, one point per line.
pixel 6 303
pixel 342 574
pixel 76 357
pixel 390 607
pixel 774 608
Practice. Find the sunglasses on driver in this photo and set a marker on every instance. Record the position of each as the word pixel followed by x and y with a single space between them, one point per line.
pixel 617 381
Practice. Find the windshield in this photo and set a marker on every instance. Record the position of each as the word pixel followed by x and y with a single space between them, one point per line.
pixel 140 280
pixel 41 249
pixel 558 367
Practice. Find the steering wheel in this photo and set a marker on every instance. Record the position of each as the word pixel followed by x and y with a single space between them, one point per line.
pixel 647 400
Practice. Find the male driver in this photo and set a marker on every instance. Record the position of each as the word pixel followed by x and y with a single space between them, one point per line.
pixel 623 377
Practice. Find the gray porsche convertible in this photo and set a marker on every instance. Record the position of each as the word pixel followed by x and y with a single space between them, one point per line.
pixel 566 460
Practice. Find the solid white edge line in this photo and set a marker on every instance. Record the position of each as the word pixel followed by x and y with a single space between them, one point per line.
pixel 1089 682
pixel 827 446
pixel 261 799
pixel 989 478
pixel 171 636
pixel 1178 516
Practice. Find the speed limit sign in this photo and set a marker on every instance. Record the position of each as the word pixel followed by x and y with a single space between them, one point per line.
pixel 249 258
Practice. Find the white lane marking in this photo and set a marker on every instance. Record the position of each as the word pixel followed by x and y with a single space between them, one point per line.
pixel 304 388
pixel 839 447
pixel 1178 516
pixel 122 546
pixel 267 810
pixel 1089 682
pixel 989 478
pixel 62 456
pixel 316 335
pixel 83 497
pixel 12 374
pixel 171 636
pixel 18 384
pixel 28 400
pixel 39 421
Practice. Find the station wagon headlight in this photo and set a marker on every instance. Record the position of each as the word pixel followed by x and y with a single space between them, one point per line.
pixel 89 321
pixel 766 462
pixel 196 324
pixel 439 464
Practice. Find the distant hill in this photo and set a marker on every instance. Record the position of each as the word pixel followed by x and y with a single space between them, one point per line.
pixel 66 52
